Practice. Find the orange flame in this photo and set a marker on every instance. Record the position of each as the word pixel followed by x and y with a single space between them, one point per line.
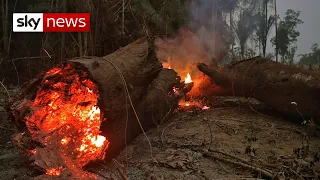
pixel 188 79
pixel 54 171
pixel 67 111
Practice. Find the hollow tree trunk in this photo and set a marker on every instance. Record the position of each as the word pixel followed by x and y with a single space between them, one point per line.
pixel 149 85
pixel 273 83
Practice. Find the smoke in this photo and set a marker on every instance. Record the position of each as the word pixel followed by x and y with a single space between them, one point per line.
pixel 182 53
pixel 200 41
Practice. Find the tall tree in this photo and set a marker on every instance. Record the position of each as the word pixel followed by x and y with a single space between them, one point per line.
pixel 264 25
pixel 5 37
pixel 287 32
pixel 276 29
pixel 263 30
pixel 229 6
pixel 311 58
pixel 244 29
pixel 291 54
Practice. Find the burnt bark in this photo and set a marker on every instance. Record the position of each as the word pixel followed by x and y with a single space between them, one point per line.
pixel 149 85
pixel 275 84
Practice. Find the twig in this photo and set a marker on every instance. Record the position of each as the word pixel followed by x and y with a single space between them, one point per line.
pixel 296 173
pixel 117 162
pixel 257 111
pixel 9 43
pixel 5 89
pixel 299 113
pixel 15 68
pixel 221 127
pixel 211 136
pixel 168 111
pixel 245 75
pixel 46 52
pixel 123 4
pixel 33 57
pixel 222 166
pixel 229 155
pixel 162 134
pixel 74 40
pixel 122 175
pixel 251 167
pixel 126 128
pixel 98 173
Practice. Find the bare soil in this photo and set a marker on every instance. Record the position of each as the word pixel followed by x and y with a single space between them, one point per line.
pixel 228 142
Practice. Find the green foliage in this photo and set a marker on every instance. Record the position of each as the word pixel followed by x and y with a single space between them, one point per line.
pixel 163 16
pixel 254 23
pixel 291 54
pixel 287 33
pixel 311 58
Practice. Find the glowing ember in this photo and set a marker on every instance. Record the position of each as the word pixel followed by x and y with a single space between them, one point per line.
pixel 65 141
pixel 205 108
pixel 33 151
pixel 188 79
pixel 166 65
pixel 54 172
pixel 65 110
pixel 98 141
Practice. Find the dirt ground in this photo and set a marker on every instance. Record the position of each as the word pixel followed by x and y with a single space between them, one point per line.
pixel 226 142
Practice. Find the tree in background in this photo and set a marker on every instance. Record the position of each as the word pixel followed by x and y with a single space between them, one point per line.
pixel 161 17
pixel 244 29
pixel 264 24
pixel 291 54
pixel 113 24
pixel 229 6
pixel 255 25
pixel 311 58
pixel 276 28
pixel 287 34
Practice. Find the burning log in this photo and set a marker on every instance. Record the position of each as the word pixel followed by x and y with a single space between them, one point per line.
pixel 287 89
pixel 89 108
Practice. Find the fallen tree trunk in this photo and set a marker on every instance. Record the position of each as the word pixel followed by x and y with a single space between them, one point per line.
pixel 134 69
pixel 275 84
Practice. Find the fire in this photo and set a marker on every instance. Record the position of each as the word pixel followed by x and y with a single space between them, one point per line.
pixel 54 172
pixel 98 141
pixel 65 111
pixel 166 65
pixel 188 79
pixel 65 141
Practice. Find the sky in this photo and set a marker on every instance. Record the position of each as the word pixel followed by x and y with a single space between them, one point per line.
pixel 309 30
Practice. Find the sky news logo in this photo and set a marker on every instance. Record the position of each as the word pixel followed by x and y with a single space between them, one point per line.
pixel 51 22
